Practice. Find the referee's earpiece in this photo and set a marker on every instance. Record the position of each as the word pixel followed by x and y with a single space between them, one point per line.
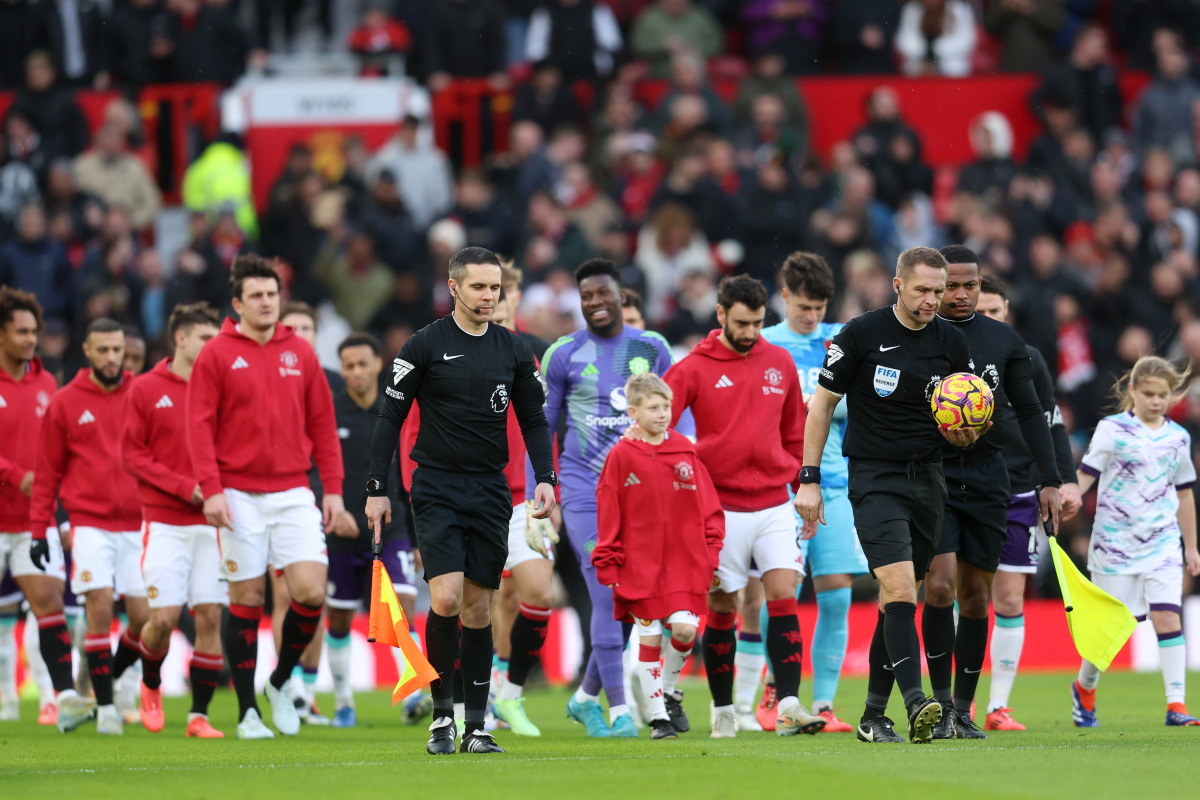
pixel 454 294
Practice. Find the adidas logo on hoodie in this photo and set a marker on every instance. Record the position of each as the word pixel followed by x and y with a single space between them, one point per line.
pixel 86 417
pixel 164 402
pixel 240 363
pixel 724 383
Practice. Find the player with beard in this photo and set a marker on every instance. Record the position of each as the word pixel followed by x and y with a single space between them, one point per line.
pixel 749 414
pixel 1019 558
pixel 78 464
pixel 975 526
pixel 35 563
pixel 585 375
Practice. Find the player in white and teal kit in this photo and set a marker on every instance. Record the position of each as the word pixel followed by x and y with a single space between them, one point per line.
pixel 833 556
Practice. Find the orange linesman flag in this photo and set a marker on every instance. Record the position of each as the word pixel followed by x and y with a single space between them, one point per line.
pixel 389 626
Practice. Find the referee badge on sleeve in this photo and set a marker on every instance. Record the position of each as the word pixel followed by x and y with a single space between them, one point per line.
pixel 400 368
pixel 886 380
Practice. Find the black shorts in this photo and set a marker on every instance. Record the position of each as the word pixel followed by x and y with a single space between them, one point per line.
pixel 898 509
pixel 976 522
pixel 461 523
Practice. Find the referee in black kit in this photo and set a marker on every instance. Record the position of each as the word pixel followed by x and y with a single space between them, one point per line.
pixel 888 362
pixel 464 372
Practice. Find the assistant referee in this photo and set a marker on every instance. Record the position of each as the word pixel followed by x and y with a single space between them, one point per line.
pixel 464 372
pixel 887 364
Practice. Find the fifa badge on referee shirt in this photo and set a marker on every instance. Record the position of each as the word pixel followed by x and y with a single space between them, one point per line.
pixel 886 380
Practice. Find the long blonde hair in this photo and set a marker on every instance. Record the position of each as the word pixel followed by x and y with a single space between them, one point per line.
pixel 1145 368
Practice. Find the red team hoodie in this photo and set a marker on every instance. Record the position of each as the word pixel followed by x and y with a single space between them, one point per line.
pixel 750 416
pixel 23 405
pixel 258 416
pixel 77 460
pixel 153 432
pixel 661 529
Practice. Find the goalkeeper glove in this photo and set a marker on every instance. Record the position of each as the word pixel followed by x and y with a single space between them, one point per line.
pixel 537 531
pixel 39 553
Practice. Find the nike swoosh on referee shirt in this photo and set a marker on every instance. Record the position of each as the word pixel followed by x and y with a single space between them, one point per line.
pixel 477 683
pixel 883 349
pixel 448 357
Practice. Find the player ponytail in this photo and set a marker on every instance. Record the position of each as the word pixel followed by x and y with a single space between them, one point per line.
pixel 1148 367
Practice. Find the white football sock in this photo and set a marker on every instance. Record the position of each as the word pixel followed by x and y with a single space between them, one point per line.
pixel 1172 660
pixel 33 657
pixel 673 662
pixel 583 697
pixel 650 675
pixel 1007 643
pixel 337 650
pixel 748 669
pixel 509 690
pixel 1089 675
pixel 617 711
pixel 8 659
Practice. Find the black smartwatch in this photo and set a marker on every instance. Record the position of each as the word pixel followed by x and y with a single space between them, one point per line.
pixel 375 488
pixel 810 474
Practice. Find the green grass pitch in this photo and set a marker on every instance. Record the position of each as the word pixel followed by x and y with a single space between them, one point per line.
pixel 1132 756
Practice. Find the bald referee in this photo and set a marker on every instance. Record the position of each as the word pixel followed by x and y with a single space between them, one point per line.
pixel 464 372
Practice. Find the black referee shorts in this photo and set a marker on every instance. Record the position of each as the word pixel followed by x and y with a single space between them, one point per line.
pixel 976 521
pixel 461 523
pixel 898 508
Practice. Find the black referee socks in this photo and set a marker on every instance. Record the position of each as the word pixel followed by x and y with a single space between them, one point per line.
pixel 937 630
pixel 476 661
pixel 969 651
pixel 904 649
pixel 441 642
pixel 880 679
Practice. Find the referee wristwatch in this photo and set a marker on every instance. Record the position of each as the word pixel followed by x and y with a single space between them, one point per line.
pixel 810 475
pixel 375 488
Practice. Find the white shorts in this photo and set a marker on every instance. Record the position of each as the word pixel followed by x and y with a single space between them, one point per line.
pixel 15 560
pixel 276 528
pixel 182 565
pixel 1143 592
pixel 768 537
pixel 106 560
pixel 654 627
pixel 519 550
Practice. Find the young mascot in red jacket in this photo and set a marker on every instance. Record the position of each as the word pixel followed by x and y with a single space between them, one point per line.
pixel 661 528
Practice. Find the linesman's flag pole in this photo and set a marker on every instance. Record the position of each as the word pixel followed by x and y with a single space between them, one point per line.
pixel 389 626
pixel 1099 623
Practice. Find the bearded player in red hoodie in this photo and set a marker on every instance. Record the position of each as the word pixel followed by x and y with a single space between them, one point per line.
pixel 661 527
pixel 745 395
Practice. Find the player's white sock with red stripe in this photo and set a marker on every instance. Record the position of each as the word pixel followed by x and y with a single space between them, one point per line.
pixel 650 674
pixel 337 650
pixel 675 655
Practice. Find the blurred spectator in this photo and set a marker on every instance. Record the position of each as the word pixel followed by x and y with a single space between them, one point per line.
pixel 1164 114
pixel 688 184
pixel 218 176
pixel 868 284
pixel 421 171
pixel 592 211
pixel 688 79
pixel 1137 21
pixel 550 238
pixel 914 226
pixel 721 162
pixel 358 282
pixel 864 30
pixel 485 219
pixel 1046 152
pixel 696 313
pixel 18 189
pixel 888 147
pixel 378 39
pixel 672 26
pixel 299 165
pixel 289 10
pixel 141 44
pixel 993 169
pixel 116 177
pixel 76 36
pixel 385 218
pixel 16 40
pixel 670 246
pixel 34 262
pixel 84 210
pixel 1027 29
pixel 545 99
pixel 579 37
pixel 199 273
pixel 207 42
pixel 543 168
pixel 51 110
pixel 109 284
pixel 774 216
pixel 792 27
pixel 465 39
pixel 637 174
pixel 632 306
pixel 936 37
pixel 1088 83
pixel 154 295
pixel 135 350
pixel 768 78
pixel 24 143
pixel 405 311
pixel 289 232
pixel 769 130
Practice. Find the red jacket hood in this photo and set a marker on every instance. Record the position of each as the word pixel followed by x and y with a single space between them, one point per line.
pixel 235 329
pixel 83 380
pixel 163 368
pixel 711 347
pixel 674 443
pixel 35 369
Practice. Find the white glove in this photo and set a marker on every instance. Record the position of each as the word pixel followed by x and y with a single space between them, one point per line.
pixel 537 531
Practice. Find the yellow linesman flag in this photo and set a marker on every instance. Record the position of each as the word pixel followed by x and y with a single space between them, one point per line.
pixel 1099 623
pixel 389 626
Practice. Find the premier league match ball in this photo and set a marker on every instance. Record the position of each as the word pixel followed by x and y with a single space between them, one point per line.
pixel 962 400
